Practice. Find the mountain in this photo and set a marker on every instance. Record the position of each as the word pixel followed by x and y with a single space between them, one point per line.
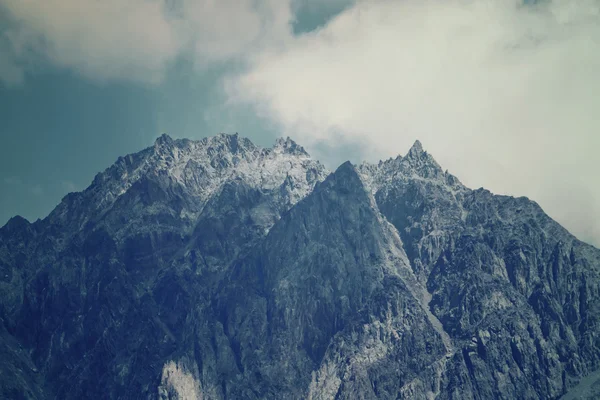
pixel 216 269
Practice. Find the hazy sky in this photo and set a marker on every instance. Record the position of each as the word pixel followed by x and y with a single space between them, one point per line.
pixel 503 93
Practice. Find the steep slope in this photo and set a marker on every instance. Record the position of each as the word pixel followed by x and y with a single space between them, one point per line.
pixel 505 278
pixel 172 181
pixel 217 269
pixel 84 289
pixel 330 275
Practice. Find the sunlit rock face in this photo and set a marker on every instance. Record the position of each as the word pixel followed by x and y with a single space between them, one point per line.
pixel 216 269
pixel 177 383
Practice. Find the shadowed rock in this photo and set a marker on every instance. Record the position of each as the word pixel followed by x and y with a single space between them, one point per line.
pixel 218 269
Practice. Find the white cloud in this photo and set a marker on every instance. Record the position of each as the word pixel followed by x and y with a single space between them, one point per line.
pixel 135 39
pixel 107 39
pixel 504 95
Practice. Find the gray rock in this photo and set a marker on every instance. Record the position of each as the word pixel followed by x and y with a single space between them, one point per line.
pixel 217 269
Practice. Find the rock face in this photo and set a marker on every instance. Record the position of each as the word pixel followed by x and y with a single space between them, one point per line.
pixel 216 269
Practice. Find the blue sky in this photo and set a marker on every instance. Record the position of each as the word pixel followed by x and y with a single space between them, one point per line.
pixel 502 93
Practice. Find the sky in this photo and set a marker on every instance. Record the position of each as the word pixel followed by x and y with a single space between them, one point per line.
pixel 503 93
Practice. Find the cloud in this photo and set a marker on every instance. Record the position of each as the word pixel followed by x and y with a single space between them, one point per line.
pixel 136 39
pixel 503 94
pixel 106 39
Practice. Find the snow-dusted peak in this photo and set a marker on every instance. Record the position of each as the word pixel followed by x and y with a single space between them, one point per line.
pixel 416 149
pixel 200 168
pixel 418 158
pixel 418 164
pixel 162 140
pixel 233 143
pixel 288 146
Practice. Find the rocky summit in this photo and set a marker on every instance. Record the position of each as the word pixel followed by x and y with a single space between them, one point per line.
pixel 217 269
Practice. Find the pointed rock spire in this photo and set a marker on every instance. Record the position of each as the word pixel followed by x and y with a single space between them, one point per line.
pixel 347 179
pixel 422 162
pixel 16 222
pixel 163 145
pixel 416 149
pixel 288 146
pixel 163 139
pixel 234 143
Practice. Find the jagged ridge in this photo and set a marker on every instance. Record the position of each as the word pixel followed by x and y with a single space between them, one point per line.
pixel 217 268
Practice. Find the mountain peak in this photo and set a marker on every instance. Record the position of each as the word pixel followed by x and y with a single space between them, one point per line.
pixel 422 161
pixel 216 247
pixel 233 142
pixel 346 166
pixel 163 139
pixel 199 168
pixel 347 178
pixel 228 136
pixel 16 222
pixel 163 144
pixel 288 146
pixel 416 149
